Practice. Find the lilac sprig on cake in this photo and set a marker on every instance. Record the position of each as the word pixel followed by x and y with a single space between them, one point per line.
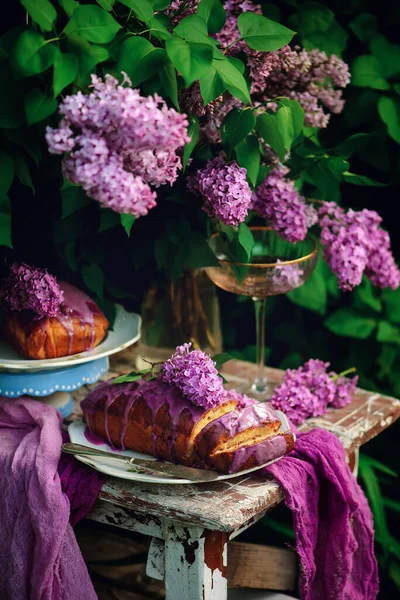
pixel 31 288
pixel 226 193
pixel 354 244
pixel 278 201
pixel 195 374
pixel 309 390
pixel 118 144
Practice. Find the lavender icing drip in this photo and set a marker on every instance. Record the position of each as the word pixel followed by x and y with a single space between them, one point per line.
pixel 156 394
pixel 77 304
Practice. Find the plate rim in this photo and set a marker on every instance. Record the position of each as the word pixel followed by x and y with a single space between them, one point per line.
pixel 143 478
pixel 25 364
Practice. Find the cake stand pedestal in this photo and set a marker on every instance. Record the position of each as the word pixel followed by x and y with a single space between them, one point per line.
pixel 53 386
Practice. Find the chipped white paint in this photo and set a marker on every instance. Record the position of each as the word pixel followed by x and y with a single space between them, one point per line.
pixel 195 564
pixel 155 566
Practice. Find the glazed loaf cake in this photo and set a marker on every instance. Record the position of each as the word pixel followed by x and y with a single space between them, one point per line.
pixel 155 418
pixel 79 326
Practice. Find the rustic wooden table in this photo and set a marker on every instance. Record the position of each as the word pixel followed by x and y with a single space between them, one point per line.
pixel 190 525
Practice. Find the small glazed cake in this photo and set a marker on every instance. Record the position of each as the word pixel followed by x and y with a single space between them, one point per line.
pixel 48 319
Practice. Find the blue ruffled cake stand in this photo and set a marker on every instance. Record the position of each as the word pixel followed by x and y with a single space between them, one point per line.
pixel 53 386
pixel 53 381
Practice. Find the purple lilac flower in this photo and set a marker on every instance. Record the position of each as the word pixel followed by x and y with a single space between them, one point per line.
pixel 286 277
pixel 225 190
pixel 31 288
pixel 118 142
pixel 242 399
pixel 277 200
pixel 355 244
pixel 194 373
pixel 179 9
pixel 309 390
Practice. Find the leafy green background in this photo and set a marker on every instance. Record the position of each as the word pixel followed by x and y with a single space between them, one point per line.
pixel 48 222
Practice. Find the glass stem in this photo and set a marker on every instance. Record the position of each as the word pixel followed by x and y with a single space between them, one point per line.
pixel 260 382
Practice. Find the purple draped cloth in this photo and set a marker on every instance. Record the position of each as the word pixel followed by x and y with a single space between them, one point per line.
pixel 40 558
pixel 332 520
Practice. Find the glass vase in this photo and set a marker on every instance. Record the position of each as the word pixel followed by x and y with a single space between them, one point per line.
pixel 174 313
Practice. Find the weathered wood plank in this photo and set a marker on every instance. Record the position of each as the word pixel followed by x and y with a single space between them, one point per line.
pixel 259 566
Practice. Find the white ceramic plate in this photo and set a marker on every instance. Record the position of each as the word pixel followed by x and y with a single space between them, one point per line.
pixel 126 332
pixel 76 432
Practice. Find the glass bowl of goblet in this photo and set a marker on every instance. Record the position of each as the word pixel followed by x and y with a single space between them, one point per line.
pixel 276 267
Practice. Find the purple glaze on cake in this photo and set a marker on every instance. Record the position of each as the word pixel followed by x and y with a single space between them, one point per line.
pixel 156 394
pixel 77 304
pixel 269 449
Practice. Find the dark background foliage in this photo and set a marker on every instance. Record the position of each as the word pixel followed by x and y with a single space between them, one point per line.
pixel 88 246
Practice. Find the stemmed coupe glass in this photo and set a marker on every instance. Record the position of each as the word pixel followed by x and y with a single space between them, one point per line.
pixel 276 267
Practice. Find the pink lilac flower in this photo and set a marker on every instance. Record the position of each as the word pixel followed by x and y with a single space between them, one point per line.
pixel 226 193
pixel 277 200
pixel 179 9
pixel 118 143
pixel 309 390
pixel 286 277
pixel 355 244
pixel 31 288
pixel 242 399
pixel 194 373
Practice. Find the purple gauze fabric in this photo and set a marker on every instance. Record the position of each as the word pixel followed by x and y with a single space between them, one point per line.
pixel 332 520
pixel 40 557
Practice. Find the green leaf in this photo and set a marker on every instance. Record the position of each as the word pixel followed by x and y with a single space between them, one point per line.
pixel 199 253
pixel 159 27
pixel 106 4
pixel 42 12
pixel 391 299
pixel 235 127
pixel 73 198
pixel 38 106
pixel 213 14
pixel 246 240
pixel 221 359
pixel 89 57
pixel 353 144
pixel 69 255
pixel 263 34
pixel 32 54
pixel 194 29
pixel 364 26
pixel 140 59
pixel 389 113
pixel 93 24
pixel 160 4
pixel 108 219
pixel 281 128
pixel 167 75
pixel 365 295
pixel 7 170
pixel 313 293
pixel 374 496
pixel 192 60
pixel 392 504
pixel 387 54
pixel 336 165
pixel 248 156
pixel 127 221
pixel 318 28
pixel 69 6
pixel 361 180
pixel 221 76
pixel 131 377
pixel 22 171
pixel 349 323
pixel 5 230
pixel 367 72
pixel 388 333
pixel 93 278
pixel 193 132
pixel 65 70
pixel 141 8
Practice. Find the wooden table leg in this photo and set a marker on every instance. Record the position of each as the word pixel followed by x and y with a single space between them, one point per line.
pixel 195 564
